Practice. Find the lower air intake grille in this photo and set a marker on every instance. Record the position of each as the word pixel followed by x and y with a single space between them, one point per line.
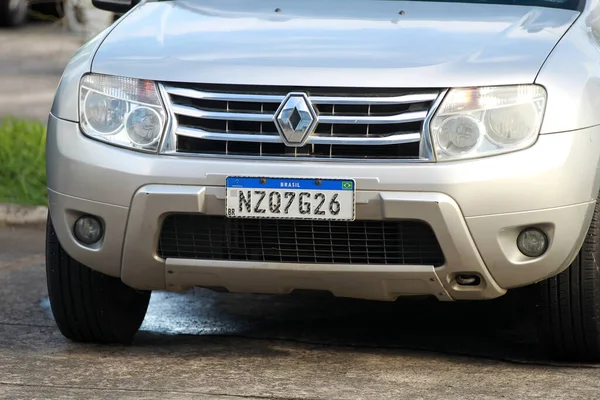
pixel 195 236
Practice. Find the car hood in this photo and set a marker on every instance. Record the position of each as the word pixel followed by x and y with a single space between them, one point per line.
pixel 368 43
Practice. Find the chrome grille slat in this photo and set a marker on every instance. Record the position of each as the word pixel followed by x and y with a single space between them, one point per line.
pixel 390 119
pixel 198 94
pixel 225 116
pixel 406 99
pixel 351 123
pixel 392 139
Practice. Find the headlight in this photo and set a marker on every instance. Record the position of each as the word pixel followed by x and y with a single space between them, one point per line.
pixel 478 122
pixel 122 111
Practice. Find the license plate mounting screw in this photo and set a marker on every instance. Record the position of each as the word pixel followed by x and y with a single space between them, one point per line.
pixel 263 180
pixel 318 182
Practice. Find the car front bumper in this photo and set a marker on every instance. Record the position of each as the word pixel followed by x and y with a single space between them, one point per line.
pixel 476 209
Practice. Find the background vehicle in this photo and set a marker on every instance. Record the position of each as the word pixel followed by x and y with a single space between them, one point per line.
pixel 17 12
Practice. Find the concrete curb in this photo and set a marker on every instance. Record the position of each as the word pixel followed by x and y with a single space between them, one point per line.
pixel 18 215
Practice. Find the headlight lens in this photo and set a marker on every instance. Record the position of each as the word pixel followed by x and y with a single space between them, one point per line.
pixel 122 111
pixel 478 122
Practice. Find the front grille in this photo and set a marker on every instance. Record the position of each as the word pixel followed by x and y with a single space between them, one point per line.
pixel 352 123
pixel 196 236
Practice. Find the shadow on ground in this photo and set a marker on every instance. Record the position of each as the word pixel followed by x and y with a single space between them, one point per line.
pixel 500 329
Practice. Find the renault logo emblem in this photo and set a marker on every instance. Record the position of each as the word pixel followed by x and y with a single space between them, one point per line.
pixel 296 119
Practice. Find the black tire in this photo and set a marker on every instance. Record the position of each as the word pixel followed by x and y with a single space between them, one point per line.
pixel 569 304
pixel 89 306
pixel 13 16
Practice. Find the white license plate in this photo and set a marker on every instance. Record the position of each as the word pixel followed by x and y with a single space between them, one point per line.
pixel 283 198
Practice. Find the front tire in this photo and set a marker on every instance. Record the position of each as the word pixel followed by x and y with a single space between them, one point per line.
pixel 87 305
pixel 569 303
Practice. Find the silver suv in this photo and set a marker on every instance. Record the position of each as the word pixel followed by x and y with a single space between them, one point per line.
pixel 372 149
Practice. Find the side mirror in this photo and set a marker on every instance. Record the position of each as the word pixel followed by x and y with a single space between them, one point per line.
pixel 116 6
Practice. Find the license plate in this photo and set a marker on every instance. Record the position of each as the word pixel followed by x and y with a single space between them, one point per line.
pixel 317 199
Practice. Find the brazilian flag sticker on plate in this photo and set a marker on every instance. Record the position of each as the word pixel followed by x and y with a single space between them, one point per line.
pixel 347 185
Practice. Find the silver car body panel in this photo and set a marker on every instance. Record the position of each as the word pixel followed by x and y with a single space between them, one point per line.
pixel 572 76
pixel 476 207
pixel 332 43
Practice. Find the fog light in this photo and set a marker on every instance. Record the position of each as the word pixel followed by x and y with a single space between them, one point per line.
pixel 532 242
pixel 88 229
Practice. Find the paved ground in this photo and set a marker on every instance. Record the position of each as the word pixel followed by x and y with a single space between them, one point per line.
pixel 201 344
pixel 32 59
pixel 30 69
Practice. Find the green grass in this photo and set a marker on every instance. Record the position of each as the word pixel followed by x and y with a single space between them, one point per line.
pixel 22 162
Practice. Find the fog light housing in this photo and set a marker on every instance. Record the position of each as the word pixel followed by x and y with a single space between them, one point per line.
pixel 88 229
pixel 468 280
pixel 532 242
